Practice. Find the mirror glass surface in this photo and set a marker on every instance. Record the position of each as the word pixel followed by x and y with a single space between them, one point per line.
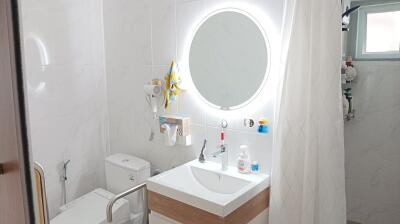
pixel 228 59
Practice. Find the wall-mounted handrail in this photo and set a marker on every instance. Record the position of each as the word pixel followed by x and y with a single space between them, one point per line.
pixel 41 192
pixel 121 195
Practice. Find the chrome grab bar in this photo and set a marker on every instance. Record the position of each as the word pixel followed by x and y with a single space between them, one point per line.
pixel 121 195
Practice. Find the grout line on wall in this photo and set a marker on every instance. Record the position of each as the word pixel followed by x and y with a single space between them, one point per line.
pixel 107 119
pixel 176 30
pixel 151 37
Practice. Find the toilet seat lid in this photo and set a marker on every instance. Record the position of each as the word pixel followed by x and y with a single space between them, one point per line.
pixel 91 208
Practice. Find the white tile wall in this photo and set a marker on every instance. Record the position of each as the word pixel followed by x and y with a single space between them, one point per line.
pixel 66 93
pixel 144 51
pixel 372 144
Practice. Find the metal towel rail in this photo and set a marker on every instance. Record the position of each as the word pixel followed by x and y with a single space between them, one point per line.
pixel 121 195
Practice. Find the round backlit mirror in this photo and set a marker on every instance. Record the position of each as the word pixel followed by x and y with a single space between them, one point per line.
pixel 228 59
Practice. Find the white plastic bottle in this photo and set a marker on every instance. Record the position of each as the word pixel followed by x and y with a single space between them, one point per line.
pixel 243 160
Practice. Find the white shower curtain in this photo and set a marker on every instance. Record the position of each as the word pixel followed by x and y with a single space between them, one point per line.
pixel 307 185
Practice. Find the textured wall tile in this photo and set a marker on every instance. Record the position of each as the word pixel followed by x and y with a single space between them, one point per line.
pixel 372 144
pixel 64 68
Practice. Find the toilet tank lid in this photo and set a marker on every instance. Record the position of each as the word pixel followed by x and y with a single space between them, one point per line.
pixel 128 162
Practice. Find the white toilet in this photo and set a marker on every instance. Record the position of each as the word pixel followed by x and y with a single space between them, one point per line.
pixel 122 172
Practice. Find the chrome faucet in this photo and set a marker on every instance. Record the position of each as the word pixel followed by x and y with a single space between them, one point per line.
pixel 223 154
pixel 223 151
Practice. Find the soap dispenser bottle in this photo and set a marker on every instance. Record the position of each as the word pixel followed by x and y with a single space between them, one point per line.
pixel 244 160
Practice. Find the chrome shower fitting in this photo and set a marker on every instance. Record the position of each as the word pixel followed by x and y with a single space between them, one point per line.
pixel 64 179
pixel 65 166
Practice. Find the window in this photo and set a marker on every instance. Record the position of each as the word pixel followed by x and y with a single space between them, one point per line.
pixel 378 33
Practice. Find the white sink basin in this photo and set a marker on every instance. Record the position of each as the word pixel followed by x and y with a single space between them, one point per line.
pixel 206 186
pixel 218 182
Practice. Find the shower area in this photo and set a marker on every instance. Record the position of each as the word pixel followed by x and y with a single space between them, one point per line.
pixel 372 126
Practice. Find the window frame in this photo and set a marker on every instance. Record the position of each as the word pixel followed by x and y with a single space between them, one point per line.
pixel 361 41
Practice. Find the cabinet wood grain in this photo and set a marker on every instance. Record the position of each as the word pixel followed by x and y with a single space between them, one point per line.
pixel 188 214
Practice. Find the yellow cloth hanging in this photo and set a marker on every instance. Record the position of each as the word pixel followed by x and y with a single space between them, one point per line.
pixel 172 82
